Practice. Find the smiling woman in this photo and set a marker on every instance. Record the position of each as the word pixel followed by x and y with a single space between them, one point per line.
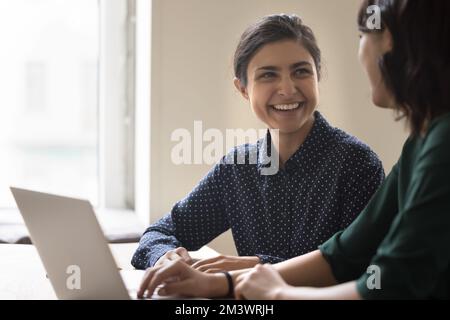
pixel 326 176
pixel 398 247
pixel 283 91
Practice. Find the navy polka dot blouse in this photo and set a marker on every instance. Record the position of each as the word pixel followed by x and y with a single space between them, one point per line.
pixel 320 190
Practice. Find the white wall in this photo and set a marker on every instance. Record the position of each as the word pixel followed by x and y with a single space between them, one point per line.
pixel 193 42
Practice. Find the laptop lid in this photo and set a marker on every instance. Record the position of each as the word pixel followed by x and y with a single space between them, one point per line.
pixel 71 245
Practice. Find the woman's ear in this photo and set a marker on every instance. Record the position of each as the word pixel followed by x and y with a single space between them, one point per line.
pixel 242 89
pixel 388 43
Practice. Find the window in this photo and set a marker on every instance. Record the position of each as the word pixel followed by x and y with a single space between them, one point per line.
pixel 67 99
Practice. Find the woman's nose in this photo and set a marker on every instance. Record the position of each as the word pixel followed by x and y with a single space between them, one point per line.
pixel 287 87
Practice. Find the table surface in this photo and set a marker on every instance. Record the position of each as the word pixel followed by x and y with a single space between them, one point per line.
pixel 22 275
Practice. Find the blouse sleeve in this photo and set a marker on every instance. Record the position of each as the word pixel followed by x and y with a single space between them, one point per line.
pixel 192 223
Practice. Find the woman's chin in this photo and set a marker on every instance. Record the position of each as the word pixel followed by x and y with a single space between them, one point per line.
pixel 286 129
pixel 383 102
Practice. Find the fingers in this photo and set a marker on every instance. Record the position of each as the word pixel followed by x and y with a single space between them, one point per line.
pixel 184 254
pixel 203 262
pixel 164 259
pixel 181 288
pixel 175 255
pixel 145 281
pixel 176 269
pixel 214 270
pixel 161 274
pixel 215 264
pixel 221 266
pixel 225 263
pixel 244 281
pixel 240 286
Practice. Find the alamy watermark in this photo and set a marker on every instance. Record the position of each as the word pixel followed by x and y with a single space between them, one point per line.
pixel 73 281
pixel 208 146
pixel 374 280
pixel 373 22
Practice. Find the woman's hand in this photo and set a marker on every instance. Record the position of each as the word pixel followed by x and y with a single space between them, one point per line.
pixel 263 282
pixel 178 278
pixel 175 255
pixel 225 263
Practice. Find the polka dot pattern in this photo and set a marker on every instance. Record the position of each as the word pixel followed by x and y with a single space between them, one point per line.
pixel 321 189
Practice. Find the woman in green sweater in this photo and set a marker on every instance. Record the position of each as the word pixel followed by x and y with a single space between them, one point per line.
pixel 399 246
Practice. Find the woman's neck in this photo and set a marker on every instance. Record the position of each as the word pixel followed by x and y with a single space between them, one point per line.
pixel 289 143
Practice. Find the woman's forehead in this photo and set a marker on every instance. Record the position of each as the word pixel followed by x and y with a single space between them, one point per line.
pixel 281 54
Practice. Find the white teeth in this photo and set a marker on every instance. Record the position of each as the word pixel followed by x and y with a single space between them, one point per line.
pixel 285 107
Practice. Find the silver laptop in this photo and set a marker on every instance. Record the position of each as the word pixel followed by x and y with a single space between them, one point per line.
pixel 72 246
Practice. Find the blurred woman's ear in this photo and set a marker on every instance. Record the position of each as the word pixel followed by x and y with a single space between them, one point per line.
pixel 242 89
pixel 387 42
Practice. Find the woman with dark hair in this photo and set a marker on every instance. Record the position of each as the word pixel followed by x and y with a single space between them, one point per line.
pixel 325 179
pixel 399 246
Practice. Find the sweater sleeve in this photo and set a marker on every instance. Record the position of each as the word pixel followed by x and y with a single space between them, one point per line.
pixel 414 257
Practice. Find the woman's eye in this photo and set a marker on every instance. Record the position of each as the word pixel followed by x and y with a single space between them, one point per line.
pixel 267 75
pixel 301 72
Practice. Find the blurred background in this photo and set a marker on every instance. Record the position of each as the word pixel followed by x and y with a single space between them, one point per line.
pixel 92 90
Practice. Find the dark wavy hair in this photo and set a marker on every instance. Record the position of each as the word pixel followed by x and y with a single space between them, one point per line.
pixel 417 69
pixel 271 29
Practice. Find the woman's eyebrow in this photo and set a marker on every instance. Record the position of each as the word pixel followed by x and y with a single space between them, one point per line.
pixel 268 68
pixel 300 64
pixel 292 66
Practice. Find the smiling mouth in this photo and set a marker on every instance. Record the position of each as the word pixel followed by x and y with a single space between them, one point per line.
pixel 288 107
